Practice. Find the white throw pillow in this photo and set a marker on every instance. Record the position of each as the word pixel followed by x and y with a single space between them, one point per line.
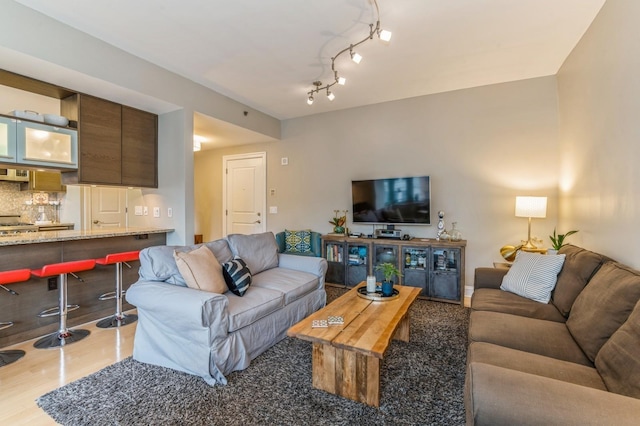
pixel 201 270
pixel 533 275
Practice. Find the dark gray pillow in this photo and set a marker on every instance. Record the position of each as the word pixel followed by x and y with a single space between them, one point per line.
pixel 579 267
pixel 603 306
pixel 259 251
pixel 618 362
pixel 237 276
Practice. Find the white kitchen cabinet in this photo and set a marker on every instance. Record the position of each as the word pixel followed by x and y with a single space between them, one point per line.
pixel 7 139
pixel 44 145
pixel 35 144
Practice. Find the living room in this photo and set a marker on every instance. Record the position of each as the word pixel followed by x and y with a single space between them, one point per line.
pixel 569 136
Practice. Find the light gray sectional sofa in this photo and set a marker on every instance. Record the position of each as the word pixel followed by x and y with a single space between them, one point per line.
pixel 209 334
pixel 572 361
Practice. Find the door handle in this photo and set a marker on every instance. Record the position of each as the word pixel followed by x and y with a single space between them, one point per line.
pixel 257 221
pixel 96 222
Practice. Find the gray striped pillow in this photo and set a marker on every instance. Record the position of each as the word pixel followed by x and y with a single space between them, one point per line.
pixel 533 275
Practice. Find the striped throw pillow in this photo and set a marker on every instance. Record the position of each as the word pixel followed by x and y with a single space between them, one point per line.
pixel 237 276
pixel 533 275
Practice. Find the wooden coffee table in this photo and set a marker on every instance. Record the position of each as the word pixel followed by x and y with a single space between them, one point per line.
pixel 346 358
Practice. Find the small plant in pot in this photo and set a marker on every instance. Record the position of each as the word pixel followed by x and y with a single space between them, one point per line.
pixel 557 241
pixel 389 271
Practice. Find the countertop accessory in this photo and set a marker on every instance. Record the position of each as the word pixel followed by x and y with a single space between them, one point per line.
pixel 27 114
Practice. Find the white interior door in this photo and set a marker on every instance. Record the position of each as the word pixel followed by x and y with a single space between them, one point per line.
pixel 108 208
pixel 244 198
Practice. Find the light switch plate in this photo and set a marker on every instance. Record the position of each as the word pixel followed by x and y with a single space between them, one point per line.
pixel 169 212
pixel 145 209
pixel 138 210
pixel 156 212
pixel 273 209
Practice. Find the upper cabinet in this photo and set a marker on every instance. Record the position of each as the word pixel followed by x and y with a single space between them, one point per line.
pixel 139 148
pixel 43 181
pixel 35 144
pixel 117 144
pixel 113 145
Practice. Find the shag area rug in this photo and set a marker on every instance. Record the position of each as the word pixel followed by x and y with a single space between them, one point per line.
pixel 421 384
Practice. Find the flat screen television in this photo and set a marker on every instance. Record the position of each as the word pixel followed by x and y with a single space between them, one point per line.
pixel 392 201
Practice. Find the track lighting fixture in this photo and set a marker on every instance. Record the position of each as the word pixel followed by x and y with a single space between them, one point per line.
pixel 374 29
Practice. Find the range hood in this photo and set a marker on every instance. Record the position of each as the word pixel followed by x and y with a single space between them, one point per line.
pixel 13 175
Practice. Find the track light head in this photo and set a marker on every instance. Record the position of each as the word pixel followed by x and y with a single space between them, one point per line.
pixel 355 57
pixel 310 100
pixel 384 35
pixel 341 81
pixel 330 95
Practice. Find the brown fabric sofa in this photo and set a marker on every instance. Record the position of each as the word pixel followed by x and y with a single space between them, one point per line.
pixel 574 360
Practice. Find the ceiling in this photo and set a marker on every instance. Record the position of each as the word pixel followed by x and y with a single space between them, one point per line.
pixel 266 54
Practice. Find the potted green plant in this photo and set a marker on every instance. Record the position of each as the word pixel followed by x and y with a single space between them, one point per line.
pixel 389 271
pixel 557 240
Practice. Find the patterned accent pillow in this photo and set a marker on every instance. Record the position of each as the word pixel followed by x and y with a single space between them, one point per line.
pixel 237 276
pixel 533 275
pixel 297 241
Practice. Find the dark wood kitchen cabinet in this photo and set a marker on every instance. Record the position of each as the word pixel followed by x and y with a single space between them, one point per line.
pixel 139 148
pixel 117 144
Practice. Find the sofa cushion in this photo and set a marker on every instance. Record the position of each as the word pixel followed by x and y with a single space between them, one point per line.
pixel 237 276
pixel 220 249
pixel 533 275
pixel 294 284
pixel 257 303
pixel 158 264
pixel 579 267
pixel 547 338
pixel 201 270
pixel 491 299
pixel 259 251
pixel 539 365
pixel 618 362
pixel 297 241
pixel 603 306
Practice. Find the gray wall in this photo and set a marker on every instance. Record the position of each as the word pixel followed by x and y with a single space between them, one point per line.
pixel 481 147
pixel 599 101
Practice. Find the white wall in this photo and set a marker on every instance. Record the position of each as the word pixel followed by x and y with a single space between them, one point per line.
pixel 599 101
pixel 481 147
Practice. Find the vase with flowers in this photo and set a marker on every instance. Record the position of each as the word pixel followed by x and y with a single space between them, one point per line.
pixel 338 222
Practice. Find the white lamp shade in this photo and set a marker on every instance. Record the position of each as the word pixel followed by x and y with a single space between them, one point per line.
pixel 531 206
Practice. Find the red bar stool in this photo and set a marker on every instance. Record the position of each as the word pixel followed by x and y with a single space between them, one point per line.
pixel 119 318
pixel 63 336
pixel 10 277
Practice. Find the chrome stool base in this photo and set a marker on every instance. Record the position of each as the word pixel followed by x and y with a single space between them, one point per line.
pixel 8 357
pixel 55 311
pixel 117 321
pixel 57 339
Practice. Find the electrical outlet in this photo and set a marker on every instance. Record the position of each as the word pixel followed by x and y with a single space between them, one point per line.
pixel 52 283
pixel 156 212
pixel 169 212
pixel 145 209
pixel 138 210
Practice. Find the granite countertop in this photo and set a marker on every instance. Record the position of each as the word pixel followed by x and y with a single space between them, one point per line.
pixel 68 235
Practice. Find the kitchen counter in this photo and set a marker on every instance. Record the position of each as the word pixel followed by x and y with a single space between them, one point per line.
pixel 70 235
pixel 34 249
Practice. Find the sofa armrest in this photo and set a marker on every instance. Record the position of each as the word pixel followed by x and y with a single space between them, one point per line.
pixel 179 306
pixel 313 265
pixel 489 277
pixel 500 396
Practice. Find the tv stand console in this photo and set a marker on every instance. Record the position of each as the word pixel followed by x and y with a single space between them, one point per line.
pixel 436 267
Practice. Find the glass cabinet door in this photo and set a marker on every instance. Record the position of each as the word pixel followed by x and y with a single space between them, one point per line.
pixel 43 145
pixel 7 139
pixel 445 274
pixel 415 267
pixel 383 253
pixel 357 263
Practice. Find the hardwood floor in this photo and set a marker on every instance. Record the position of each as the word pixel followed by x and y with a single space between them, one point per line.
pixel 42 370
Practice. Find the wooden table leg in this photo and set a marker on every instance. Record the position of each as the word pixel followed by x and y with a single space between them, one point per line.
pixel 346 373
pixel 402 331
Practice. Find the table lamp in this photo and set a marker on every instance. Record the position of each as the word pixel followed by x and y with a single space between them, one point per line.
pixel 531 207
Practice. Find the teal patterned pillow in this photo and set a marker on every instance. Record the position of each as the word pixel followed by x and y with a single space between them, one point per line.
pixel 297 241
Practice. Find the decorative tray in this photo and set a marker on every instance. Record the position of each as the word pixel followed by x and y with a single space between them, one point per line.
pixel 377 296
